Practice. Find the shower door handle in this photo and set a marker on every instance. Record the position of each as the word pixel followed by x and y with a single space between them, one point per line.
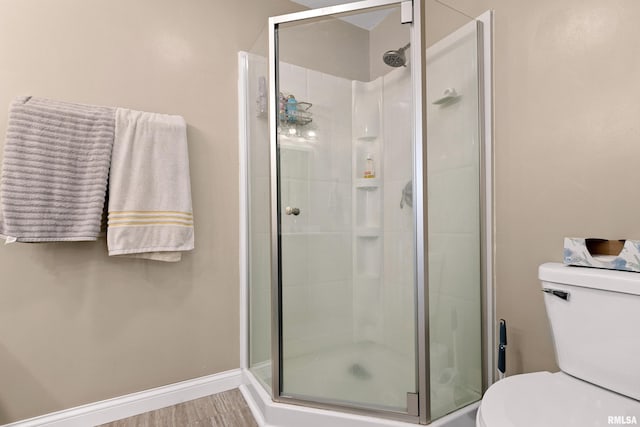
pixel 291 211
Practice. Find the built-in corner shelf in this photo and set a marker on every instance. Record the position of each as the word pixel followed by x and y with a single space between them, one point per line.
pixel 367 183
pixel 367 153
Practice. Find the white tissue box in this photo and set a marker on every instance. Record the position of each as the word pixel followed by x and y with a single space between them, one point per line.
pixel 601 253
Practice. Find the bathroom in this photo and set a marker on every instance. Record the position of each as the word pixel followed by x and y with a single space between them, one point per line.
pixel 77 327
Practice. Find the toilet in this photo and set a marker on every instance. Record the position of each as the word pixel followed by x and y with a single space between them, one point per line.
pixel 595 322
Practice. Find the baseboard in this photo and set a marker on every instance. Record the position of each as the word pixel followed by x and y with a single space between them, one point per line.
pixel 136 403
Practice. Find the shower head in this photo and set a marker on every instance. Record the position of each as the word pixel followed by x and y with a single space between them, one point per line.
pixel 396 58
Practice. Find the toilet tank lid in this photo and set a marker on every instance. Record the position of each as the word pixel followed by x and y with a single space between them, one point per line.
pixel 597 278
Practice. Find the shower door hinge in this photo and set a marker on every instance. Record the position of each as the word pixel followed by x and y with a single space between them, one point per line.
pixel 406 12
pixel 412 404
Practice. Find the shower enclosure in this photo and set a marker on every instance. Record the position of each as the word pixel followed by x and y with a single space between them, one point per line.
pixel 365 245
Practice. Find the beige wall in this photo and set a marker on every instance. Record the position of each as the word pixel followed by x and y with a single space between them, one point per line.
pixel 329 45
pixel 567 143
pixel 75 325
pixel 389 34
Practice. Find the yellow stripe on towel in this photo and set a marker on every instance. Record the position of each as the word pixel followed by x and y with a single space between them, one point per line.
pixel 149 218
pixel 136 218
pixel 150 213
pixel 137 223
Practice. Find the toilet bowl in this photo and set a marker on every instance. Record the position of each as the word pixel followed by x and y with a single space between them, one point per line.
pixel 594 315
pixel 543 399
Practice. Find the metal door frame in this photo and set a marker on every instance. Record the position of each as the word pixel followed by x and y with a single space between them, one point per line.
pixel 418 70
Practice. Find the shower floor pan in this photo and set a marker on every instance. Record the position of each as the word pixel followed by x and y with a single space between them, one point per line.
pixel 361 374
pixel 351 375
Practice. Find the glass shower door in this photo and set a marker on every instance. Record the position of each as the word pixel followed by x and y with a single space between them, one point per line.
pixel 345 231
pixel 454 171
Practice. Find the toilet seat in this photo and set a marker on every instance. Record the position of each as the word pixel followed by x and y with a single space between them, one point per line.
pixel 552 400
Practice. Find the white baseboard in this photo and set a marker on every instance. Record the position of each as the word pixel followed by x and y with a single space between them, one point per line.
pixel 136 403
pixel 265 411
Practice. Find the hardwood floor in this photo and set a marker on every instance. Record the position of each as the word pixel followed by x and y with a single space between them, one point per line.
pixel 227 409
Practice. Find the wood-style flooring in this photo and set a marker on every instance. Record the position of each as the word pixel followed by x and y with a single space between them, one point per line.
pixel 227 409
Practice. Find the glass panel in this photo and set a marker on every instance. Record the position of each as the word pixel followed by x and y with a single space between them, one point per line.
pixel 259 274
pixel 453 205
pixel 347 239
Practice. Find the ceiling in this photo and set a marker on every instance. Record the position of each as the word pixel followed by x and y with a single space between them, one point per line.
pixel 365 20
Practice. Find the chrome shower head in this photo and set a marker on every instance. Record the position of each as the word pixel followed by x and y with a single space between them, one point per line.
pixel 396 58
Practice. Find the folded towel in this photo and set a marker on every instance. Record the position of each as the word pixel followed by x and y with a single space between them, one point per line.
pixel 55 169
pixel 150 213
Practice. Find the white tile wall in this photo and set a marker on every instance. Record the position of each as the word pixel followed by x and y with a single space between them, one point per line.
pixel 329 257
pixel 398 284
pixel 293 81
pixel 330 297
pixel 397 116
pixel 259 253
pixel 295 250
pixel 323 302
pixel 397 218
pixel 459 264
pixel 317 255
pixel 454 224
pixel 453 196
pixel 330 206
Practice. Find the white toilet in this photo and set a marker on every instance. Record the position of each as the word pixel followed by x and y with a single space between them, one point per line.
pixel 595 321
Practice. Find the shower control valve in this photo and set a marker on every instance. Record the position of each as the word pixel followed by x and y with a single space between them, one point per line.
pixel 292 211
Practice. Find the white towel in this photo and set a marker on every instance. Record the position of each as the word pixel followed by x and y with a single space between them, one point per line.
pixel 150 213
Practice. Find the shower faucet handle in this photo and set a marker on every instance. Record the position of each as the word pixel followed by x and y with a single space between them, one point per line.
pixel 292 211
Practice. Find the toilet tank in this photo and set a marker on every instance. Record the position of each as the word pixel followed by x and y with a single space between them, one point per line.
pixel 595 321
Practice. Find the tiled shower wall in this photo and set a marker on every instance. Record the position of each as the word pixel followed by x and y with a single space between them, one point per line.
pixel 323 307
pixel 316 245
pixel 398 284
pixel 453 153
pixel 320 306
pixel 259 274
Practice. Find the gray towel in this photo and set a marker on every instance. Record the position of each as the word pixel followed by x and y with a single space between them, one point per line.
pixel 55 170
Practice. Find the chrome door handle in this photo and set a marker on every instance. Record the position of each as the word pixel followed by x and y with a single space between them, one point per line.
pixel 292 211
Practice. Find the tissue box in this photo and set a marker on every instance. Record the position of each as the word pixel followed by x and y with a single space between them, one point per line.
pixel 600 253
